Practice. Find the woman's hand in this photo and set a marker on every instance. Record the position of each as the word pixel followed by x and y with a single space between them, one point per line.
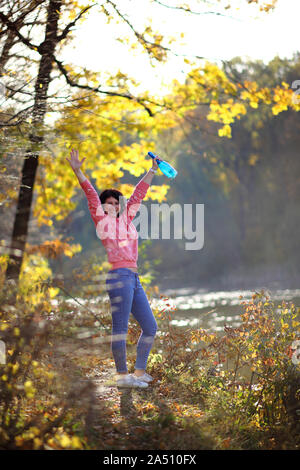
pixel 154 164
pixel 75 162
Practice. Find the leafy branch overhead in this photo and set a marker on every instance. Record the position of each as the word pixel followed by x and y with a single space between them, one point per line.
pixel 22 23
pixel 106 117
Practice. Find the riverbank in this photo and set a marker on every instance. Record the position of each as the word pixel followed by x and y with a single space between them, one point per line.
pixel 234 389
pixel 207 393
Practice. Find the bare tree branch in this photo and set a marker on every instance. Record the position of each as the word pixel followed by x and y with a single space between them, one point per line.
pixel 98 89
pixel 31 7
pixel 188 10
pixel 8 123
pixel 139 36
pixel 10 40
pixel 66 30
pixel 14 27
pixel 19 90
pixel 142 40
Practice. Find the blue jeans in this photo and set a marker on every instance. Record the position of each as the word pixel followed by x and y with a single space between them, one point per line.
pixel 127 296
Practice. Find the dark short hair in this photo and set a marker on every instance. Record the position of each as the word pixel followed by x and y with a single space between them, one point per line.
pixel 113 193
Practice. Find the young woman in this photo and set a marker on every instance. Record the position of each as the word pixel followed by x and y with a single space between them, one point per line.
pixel 119 236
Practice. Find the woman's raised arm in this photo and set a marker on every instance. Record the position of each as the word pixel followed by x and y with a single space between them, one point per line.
pixel 151 172
pixel 94 204
pixel 76 164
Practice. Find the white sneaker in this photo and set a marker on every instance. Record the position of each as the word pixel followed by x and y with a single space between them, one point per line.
pixel 145 377
pixel 130 380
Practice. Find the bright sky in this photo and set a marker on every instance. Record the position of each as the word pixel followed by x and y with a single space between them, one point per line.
pixel 247 33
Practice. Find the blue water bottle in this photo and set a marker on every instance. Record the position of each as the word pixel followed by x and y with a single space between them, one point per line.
pixel 165 167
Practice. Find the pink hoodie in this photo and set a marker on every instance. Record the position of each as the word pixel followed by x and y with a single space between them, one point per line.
pixel 117 234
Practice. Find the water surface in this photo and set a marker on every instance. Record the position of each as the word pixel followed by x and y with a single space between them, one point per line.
pixel 213 309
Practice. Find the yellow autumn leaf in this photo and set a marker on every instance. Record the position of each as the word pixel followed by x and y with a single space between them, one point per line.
pixel 15 368
pixel 64 440
pixel 76 443
pixel 37 443
pixel 19 440
pixel 53 291
pixel 225 131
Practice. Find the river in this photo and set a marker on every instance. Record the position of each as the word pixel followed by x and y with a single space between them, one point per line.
pixel 199 308
pixel 211 310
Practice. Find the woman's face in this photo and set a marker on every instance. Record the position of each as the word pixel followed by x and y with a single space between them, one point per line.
pixel 112 206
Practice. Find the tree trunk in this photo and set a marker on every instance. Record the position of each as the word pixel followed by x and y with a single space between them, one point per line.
pixel 20 230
